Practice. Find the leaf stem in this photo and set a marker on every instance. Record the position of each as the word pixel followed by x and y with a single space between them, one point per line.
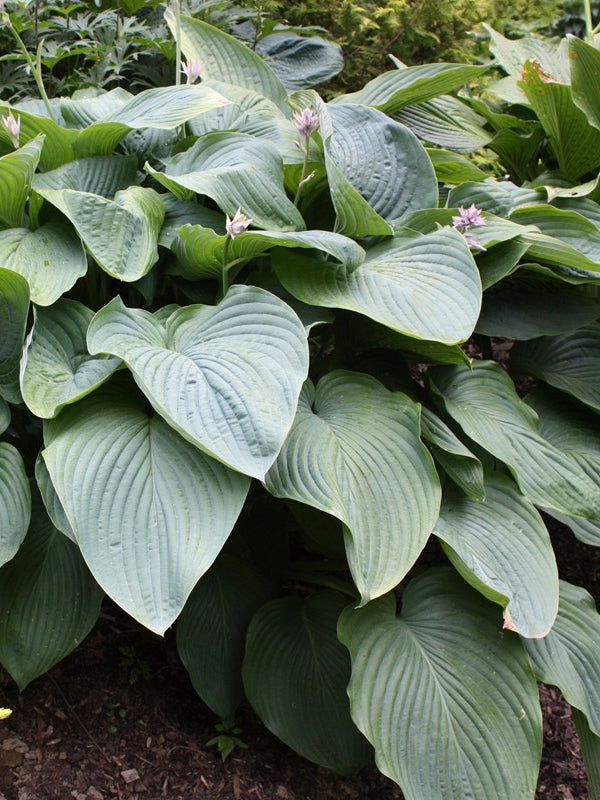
pixel 589 25
pixel 36 69
pixel 177 42
pixel 225 278
pixel 303 175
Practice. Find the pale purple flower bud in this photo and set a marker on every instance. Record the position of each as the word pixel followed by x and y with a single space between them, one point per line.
pixel 469 217
pixel 13 126
pixel 239 224
pixel 306 121
pixel 192 70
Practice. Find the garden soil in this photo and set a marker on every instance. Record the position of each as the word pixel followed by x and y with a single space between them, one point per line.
pixel 119 719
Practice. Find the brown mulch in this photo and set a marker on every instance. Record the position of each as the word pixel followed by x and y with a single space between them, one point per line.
pixel 119 719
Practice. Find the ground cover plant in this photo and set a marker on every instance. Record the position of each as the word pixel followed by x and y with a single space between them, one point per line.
pixel 234 397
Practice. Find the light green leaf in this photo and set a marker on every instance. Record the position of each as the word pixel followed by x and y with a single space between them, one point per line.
pixel 484 402
pixel 569 657
pixel 58 142
pixel 162 108
pixel 56 367
pixel 235 170
pixel 179 212
pixel 82 110
pixel 574 141
pixel 500 546
pixel 426 287
pixel 568 226
pixel 50 259
pixel 464 468
pixel 15 501
pixel 120 234
pixel 527 305
pixel 448 702
pixel 211 630
pixel 226 377
pixel 568 262
pixel 584 61
pixel 49 602
pixel 382 161
pixel 14 307
pixel 202 253
pixel 569 362
pixel 150 511
pixel 398 88
pixel 225 58
pixel 511 54
pixel 16 174
pixel 452 168
pixel 344 427
pixel 295 674
pixel 300 62
pixel 447 122
pixel 499 261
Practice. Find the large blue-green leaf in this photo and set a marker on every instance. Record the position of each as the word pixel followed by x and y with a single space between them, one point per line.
pixel 528 305
pixel 426 287
pixel 295 674
pixel 49 602
pixel 50 259
pixel 354 451
pixel 590 750
pixel 16 174
pixel 51 500
pixel 461 465
pixel 300 62
pixel 14 307
pixel 573 428
pixel 447 700
pixel 4 415
pixel 225 58
pixel 227 377
pixel 211 630
pixel 150 511
pixel 381 160
pixel 569 362
pixel 484 402
pixel 202 253
pixel 120 234
pixel 56 367
pixel 448 122
pixel 103 175
pixel 235 170
pixel 15 501
pixel 568 226
pixel 569 657
pixel 500 545
pixel 398 88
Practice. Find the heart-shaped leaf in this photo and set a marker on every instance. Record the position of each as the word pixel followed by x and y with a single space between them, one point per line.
pixel 295 675
pixel 149 510
pixel 450 705
pixel 426 287
pixel 120 234
pixel 56 347
pixel 49 602
pixel 501 546
pixel 226 377
pixel 341 430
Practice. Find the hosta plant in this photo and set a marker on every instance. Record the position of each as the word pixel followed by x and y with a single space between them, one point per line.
pixel 234 399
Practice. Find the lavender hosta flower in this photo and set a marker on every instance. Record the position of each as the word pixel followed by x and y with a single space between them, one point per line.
pixel 468 217
pixel 306 122
pixel 13 126
pixel 239 224
pixel 192 70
